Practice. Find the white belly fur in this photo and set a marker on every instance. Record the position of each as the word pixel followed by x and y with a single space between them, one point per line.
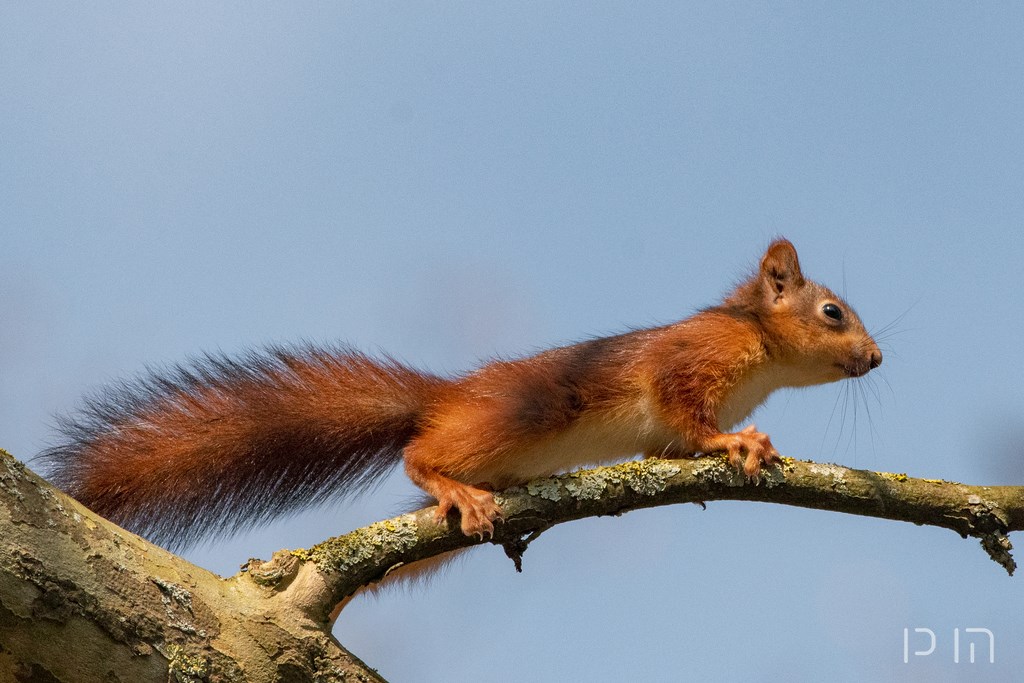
pixel 591 440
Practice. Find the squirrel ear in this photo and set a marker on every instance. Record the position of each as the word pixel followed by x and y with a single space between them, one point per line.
pixel 780 269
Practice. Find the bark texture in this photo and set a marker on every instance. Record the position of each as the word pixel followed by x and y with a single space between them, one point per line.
pixel 83 600
pixel 366 555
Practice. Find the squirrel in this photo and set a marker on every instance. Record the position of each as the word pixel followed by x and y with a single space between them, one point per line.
pixel 223 444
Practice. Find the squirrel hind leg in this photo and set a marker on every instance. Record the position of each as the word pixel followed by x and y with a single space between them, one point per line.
pixel 475 504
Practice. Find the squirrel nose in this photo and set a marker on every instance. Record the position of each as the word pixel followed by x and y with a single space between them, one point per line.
pixel 876 358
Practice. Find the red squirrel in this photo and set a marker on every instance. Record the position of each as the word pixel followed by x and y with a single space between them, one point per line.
pixel 223 444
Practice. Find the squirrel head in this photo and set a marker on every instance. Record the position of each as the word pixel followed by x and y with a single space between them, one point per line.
pixel 806 325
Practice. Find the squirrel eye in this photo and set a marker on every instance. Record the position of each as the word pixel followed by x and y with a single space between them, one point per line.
pixel 832 311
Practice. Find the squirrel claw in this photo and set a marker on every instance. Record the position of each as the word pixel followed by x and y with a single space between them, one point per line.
pixel 747 450
pixel 477 509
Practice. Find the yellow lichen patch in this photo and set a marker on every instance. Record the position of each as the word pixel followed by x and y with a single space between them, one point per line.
pixel 185 668
pixel 647 477
pixel 902 476
pixel 589 484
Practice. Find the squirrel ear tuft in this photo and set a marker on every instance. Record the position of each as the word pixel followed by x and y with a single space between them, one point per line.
pixel 780 269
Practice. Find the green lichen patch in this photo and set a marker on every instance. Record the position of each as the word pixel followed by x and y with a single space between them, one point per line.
pixel 836 474
pixel 771 477
pixel 645 477
pixel 343 552
pixel 548 489
pixel 717 470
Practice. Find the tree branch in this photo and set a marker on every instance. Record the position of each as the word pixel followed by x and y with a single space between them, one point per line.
pixel 344 564
pixel 81 599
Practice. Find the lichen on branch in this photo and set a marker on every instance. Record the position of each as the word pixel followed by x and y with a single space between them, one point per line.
pixel 366 555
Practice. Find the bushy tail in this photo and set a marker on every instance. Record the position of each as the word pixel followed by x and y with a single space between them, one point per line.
pixel 221 445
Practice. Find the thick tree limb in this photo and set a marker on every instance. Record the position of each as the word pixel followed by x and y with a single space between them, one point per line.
pixel 82 600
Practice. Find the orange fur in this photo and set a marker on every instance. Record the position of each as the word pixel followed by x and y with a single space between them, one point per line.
pixel 229 443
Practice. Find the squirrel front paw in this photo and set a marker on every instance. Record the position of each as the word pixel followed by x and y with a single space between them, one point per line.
pixel 476 507
pixel 747 450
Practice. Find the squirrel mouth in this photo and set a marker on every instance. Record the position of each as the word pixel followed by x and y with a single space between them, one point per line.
pixel 854 370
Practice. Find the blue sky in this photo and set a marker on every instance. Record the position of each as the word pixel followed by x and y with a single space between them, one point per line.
pixel 452 181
